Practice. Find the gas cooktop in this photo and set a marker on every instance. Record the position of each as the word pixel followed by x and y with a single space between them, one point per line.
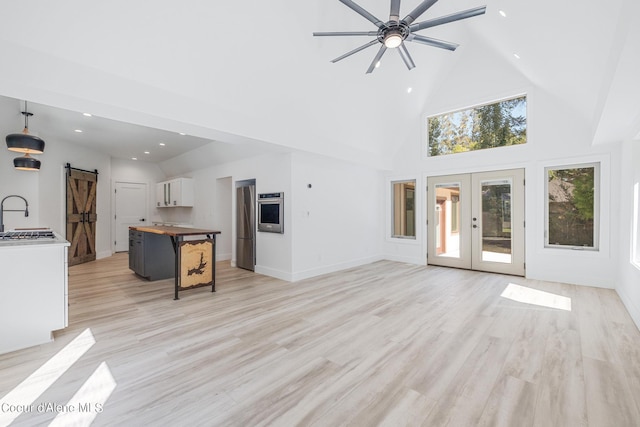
pixel 27 235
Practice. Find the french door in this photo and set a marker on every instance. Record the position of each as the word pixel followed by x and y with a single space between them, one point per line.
pixel 476 221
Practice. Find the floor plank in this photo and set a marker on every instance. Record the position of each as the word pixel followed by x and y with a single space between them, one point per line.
pixel 383 344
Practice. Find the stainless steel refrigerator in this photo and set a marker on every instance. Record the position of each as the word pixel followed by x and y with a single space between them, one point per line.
pixel 246 226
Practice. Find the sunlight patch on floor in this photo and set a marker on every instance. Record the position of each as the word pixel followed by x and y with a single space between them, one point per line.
pixel 22 397
pixel 89 400
pixel 535 297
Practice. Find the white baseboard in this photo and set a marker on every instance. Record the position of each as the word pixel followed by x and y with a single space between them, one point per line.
pixel 223 257
pixel 272 272
pixel 632 308
pixel 103 254
pixel 407 259
pixel 326 269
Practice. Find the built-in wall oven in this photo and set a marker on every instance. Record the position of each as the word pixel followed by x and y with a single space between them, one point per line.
pixel 271 212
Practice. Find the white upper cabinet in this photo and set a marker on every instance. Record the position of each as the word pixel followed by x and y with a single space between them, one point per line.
pixel 175 193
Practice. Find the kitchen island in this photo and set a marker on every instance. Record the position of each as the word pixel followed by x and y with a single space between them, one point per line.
pixel 34 302
pixel 194 261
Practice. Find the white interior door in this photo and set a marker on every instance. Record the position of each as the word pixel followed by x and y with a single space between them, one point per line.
pixel 476 221
pixel 130 210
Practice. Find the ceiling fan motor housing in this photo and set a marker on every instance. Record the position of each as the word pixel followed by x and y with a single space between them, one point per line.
pixel 393 29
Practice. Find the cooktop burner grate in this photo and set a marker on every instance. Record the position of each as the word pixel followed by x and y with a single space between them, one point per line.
pixel 26 235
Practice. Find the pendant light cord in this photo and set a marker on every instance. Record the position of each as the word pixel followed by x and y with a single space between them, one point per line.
pixel 26 116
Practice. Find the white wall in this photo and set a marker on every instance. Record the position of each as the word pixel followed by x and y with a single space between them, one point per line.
pixel 21 183
pixel 12 181
pixel 52 188
pixel 337 222
pixel 45 190
pixel 272 173
pixel 222 216
pixel 557 135
pixel 628 286
pixel 135 172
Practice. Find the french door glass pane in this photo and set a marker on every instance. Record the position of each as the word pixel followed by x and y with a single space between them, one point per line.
pixel 496 221
pixel 447 214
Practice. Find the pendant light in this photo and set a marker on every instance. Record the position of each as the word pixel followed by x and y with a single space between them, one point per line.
pixel 25 143
pixel 26 163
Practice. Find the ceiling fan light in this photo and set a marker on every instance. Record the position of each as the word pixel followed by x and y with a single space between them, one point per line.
pixel 393 40
pixel 26 163
pixel 24 143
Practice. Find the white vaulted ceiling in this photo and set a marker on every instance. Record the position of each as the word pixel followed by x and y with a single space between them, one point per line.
pixel 250 74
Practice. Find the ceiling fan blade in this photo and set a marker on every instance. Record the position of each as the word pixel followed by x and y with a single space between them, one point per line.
pixel 404 53
pixel 378 23
pixel 356 50
pixel 381 52
pixel 346 33
pixel 394 15
pixel 449 18
pixel 419 10
pixel 432 42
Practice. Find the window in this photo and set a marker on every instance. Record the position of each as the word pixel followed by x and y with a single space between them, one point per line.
pixel 404 213
pixel 499 124
pixel 572 200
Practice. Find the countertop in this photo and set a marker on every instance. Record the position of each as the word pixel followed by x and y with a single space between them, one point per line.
pixel 173 231
pixel 59 240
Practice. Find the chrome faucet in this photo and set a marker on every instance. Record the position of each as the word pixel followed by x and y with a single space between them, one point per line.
pixel 3 210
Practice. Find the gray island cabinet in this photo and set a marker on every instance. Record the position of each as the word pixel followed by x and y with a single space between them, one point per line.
pixel 151 255
pixel 160 252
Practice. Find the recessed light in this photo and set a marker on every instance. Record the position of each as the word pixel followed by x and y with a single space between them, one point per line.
pixel 146 152
pixel 502 13
pixel 162 144
pixel 409 89
pixel 515 55
pixel 378 64
pixel 78 130
pixel 182 133
pixel 134 158
pixel 87 114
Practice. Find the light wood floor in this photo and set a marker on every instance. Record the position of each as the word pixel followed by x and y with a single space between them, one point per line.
pixel 384 344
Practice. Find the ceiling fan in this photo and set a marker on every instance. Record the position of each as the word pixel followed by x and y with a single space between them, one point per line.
pixel 393 33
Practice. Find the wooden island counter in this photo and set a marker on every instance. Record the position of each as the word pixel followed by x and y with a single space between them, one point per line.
pixel 194 260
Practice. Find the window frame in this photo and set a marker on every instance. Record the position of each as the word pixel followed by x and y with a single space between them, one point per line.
pixel 597 174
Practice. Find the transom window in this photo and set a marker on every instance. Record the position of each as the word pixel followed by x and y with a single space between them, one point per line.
pixel 499 124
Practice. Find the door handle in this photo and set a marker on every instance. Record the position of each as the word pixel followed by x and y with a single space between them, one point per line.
pixel 475 226
pixel 142 220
